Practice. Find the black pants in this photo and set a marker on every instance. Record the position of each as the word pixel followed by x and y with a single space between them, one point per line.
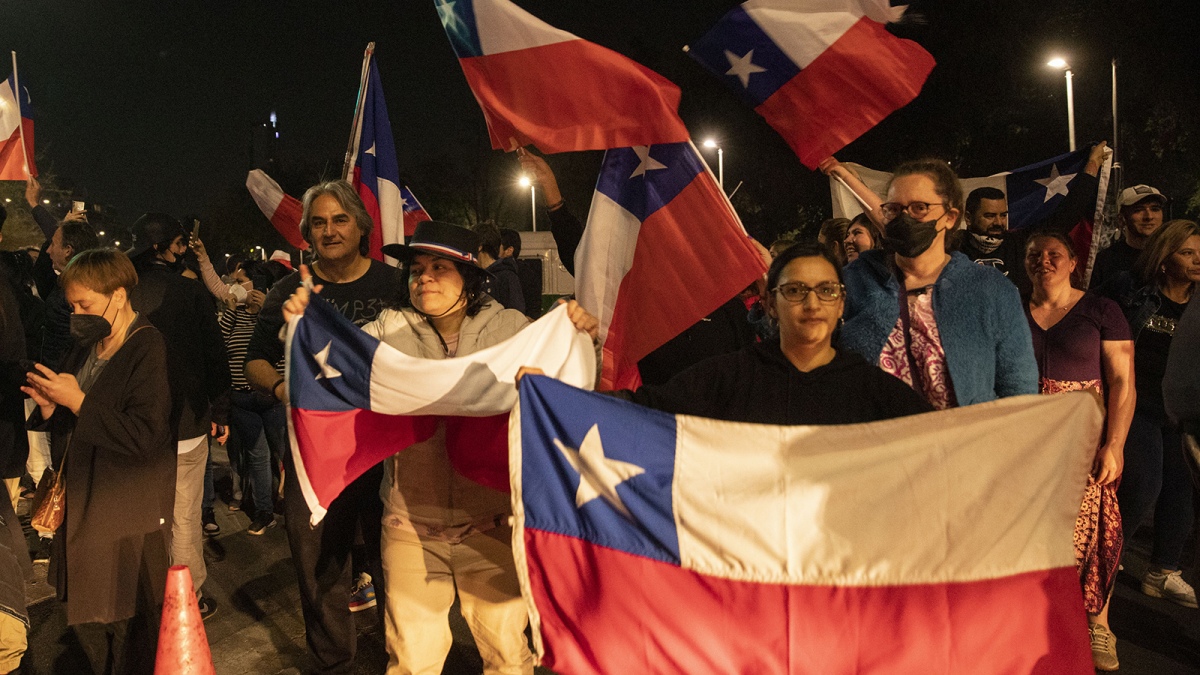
pixel 321 556
pixel 120 648
pixel 1157 480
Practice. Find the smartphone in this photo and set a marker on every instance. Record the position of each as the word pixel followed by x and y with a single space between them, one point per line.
pixel 30 367
pixel 195 229
pixel 77 206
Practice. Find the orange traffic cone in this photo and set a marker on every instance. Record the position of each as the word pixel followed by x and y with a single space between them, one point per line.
pixel 182 644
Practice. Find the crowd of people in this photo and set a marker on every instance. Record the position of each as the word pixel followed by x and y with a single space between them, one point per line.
pixel 120 369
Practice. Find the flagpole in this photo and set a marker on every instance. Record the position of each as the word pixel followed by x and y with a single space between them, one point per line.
pixel 865 205
pixel 356 124
pixel 20 117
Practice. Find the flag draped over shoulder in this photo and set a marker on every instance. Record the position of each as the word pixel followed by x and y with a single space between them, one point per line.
pixel 821 72
pixel 16 122
pixel 543 86
pixel 283 210
pixel 354 401
pixel 939 543
pixel 375 170
pixel 662 249
pixel 1033 193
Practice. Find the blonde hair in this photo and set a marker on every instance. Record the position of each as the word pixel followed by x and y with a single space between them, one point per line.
pixel 1161 245
pixel 102 270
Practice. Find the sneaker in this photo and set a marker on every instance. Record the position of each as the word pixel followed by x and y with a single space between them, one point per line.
pixel 207 608
pixel 261 523
pixel 1104 648
pixel 1169 585
pixel 362 596
pixel 235 503
pixel 211 528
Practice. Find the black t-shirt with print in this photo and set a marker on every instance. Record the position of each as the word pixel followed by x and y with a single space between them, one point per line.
pixel 1150 356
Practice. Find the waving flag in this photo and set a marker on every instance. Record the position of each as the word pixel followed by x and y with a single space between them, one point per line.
pixel 543 86
pixel 16 125
pixel 356 401
pixel 413 211
pixel 821 72
pixel 283 210
pixel 1034 192
pixel 374 169
pixel 662 249
pixel 653 543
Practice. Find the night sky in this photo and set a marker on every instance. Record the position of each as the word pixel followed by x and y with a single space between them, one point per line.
pixel 150 106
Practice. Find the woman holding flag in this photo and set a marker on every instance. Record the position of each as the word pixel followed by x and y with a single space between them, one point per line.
pixel 443 532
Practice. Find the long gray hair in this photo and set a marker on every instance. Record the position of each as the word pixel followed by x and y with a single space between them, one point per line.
pixel 344 193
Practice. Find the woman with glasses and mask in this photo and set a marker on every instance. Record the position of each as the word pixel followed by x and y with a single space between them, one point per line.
pixel 444 534
pixel 953 330
pixel 801 376
pixel 108 411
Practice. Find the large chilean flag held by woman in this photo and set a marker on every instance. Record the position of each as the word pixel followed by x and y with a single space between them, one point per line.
pixel 541 85
pixel 939 543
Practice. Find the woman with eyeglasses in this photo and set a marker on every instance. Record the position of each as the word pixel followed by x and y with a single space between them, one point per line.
pixel 799 377
pixel 953 330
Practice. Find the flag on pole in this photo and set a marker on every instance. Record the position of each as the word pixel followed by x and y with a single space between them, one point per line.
pixel 821 72
pixel 16 131
pixel 543 86
pixel 662 249
pixel 655 543
pixel 374 169
pixel 1033 192
pixel 413 211
pixel 355 401
pixel 283 210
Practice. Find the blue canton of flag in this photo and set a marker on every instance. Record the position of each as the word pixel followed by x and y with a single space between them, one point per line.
pixel 738 51
pixel 644 179
pixel 329 361
pixel 458 18
pixel 604 475
pixel 1035 191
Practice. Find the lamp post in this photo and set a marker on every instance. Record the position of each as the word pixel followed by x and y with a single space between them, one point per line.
pixel 712 143
pixel 525 182
pixel 1061 64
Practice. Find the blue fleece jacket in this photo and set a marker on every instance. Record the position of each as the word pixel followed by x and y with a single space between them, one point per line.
pixel 989 351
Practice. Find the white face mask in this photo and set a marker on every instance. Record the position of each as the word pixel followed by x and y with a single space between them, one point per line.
pixel 238 292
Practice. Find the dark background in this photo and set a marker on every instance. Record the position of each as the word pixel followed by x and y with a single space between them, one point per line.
pixel 152 106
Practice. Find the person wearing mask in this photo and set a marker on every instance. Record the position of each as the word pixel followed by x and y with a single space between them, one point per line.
pixel 108 410
pixel 951 329
pixel 861 235
pixel 443 533
pixel 1140 212
pixel 1082 342
pixel 335 222
pixel 197 371
pixel 1156 478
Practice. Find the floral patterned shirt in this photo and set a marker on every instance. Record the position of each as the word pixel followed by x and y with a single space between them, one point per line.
pixel 933 378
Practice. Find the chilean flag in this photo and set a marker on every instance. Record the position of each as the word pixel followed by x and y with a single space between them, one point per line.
pixel 413 211
pixel 1034 192
pixel 283 210
pixel 376 172
pixel 16 121
pixel 662 249
pixel 356 401
pixel 821 72
pixel 654 543
pixel 543 86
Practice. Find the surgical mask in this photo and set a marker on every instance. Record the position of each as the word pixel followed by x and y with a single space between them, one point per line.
pixel 908 237
pixel 238 292
pixel 985 243
pixel 88 329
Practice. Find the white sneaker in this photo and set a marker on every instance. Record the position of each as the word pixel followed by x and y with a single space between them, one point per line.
pixel 1170 585
pixel 1104 648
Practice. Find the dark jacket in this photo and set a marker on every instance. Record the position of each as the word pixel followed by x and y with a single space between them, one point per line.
pixel 14 447
pixel 120 476
pixel 505 286
pixel 1181 385
pixel 758 384
pixel 1138 302
pixel 198 372
pixel 725 330
pixel 567 232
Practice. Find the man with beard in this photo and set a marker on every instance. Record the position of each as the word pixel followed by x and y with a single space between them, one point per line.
pixel 1141 214
pixel 988 241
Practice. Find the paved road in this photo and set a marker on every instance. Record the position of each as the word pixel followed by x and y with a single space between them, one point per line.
pixel 258 628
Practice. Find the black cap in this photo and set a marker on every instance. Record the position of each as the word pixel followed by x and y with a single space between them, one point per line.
pixel 152 229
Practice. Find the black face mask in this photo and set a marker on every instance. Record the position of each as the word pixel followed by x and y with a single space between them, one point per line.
pixel 88 329
pixel 908 237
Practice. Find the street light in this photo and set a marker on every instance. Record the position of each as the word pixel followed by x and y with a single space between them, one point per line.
pixel 1059 63
pixel 712 143
pixel 525 182
pixel 101 233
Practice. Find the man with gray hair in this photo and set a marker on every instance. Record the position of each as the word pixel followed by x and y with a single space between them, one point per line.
pixel 338 227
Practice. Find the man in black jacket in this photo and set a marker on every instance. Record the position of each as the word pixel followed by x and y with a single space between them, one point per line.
pixel 197 371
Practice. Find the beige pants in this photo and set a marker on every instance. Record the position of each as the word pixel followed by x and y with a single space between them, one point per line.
pixel 421 576
pixel 12 643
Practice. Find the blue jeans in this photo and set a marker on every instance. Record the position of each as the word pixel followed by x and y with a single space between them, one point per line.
pixel 1157 480
pixel 258 430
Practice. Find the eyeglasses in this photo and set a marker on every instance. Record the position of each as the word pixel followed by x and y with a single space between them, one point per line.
pixel 917 210
pixel 797 292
